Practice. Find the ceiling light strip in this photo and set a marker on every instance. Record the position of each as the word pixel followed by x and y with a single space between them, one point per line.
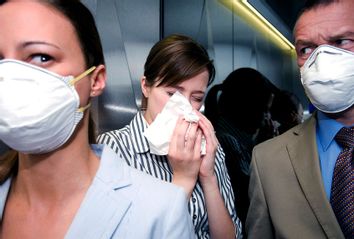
pixel 244 9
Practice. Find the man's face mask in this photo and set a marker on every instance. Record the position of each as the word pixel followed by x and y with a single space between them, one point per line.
pixel 328 79
pixel 39 109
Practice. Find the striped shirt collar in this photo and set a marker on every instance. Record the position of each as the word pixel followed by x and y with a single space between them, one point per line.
pixel 137 127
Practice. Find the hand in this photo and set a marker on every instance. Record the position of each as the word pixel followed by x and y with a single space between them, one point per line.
pixel 208 160
pixel 184 154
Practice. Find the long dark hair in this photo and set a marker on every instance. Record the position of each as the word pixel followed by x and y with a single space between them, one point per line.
pixel 242 98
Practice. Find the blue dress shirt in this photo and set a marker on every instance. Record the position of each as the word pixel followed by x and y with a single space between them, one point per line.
pixel 328 149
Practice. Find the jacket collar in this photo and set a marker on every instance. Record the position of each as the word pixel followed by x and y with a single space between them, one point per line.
pixel 305 160
pixel 105 203
pixel 4 191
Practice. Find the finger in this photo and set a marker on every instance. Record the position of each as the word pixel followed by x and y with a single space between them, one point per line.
pixel 178 135
pixel 207 127
pixel 205 120
pixel 208 132
pixel 198 143
pixel 191 136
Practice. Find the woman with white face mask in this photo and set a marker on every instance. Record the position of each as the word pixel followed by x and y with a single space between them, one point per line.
pixel 54 184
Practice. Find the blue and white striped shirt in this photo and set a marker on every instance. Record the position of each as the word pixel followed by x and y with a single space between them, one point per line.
pixel 130 143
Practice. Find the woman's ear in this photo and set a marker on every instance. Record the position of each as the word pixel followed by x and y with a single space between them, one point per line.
pixel 144 87
pixel 98 80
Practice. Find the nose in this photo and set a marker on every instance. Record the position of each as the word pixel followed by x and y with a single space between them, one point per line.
pixel 187 96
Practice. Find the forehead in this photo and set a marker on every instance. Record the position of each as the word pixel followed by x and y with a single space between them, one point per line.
pixel 325 21
pixel 196 83
pixel 33 19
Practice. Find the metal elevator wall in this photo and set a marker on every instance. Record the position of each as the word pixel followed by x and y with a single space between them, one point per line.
pixel 129 28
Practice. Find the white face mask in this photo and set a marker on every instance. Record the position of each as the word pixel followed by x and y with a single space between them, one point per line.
pixel 39 109
pixel 328 79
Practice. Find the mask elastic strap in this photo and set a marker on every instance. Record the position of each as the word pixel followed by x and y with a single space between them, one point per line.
pixel 82 75
pixel 82 109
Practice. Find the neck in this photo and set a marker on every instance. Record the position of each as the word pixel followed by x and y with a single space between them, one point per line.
pixel 346 117
pixel 58 175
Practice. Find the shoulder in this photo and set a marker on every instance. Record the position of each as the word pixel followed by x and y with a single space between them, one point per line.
pixel 289 136
pixel 117 140
pixel 146 184
pixel 271 149
pixel 134 184
pixel 276 149
pixel 274 144
pixel 114 134
pixel 158 203
pixel 159 207
pixel 125 135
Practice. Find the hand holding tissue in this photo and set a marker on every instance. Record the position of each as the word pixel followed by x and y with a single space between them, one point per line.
pixel 160 131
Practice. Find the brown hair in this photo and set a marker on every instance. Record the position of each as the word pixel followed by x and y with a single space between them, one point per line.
pixel 175 59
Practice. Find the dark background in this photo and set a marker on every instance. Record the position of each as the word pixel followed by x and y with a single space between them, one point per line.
pixel 287 10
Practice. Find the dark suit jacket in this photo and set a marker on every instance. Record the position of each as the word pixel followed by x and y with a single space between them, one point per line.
pixel 287 197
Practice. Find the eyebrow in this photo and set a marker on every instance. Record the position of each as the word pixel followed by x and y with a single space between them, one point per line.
pixel 194 92
pixel 330 38
pixel 30 43
pixel 341 35
pixel 303 42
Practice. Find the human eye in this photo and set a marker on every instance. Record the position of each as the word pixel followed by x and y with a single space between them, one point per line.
pixel 170 93
pixel 344 43
pixel 197 98
pixel 40 59
pixel 304 51
pixel 169 90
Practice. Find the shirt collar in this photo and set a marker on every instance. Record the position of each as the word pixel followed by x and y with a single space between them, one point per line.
pixel 327 129
pixel 137 127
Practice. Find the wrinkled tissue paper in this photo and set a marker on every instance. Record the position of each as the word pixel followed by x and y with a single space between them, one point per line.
pixel 160 131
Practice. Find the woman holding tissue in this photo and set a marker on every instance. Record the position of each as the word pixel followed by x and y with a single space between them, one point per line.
pixel 178 66
pixel 56 184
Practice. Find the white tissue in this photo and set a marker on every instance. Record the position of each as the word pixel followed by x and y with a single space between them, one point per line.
pixel 160 131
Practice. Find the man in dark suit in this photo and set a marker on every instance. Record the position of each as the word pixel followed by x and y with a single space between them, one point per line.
pixel 295 177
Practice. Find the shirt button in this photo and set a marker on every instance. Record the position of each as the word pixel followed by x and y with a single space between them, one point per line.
pixel 194 200
pixel 194 216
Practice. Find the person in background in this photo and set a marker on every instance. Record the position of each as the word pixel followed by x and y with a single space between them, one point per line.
pixel 53 184
pixel 239 110
pixel 178 63
pixel 287 110
pixel 302 182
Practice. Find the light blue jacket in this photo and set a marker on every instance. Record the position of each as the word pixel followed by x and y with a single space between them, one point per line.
pixel 125 203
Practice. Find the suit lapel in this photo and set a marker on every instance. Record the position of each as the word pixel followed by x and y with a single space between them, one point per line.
pixel 99 215
pixel 4 191
pixel 304 158
pixel 105 204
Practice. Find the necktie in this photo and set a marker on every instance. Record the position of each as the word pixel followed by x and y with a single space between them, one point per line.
pixel 342 191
